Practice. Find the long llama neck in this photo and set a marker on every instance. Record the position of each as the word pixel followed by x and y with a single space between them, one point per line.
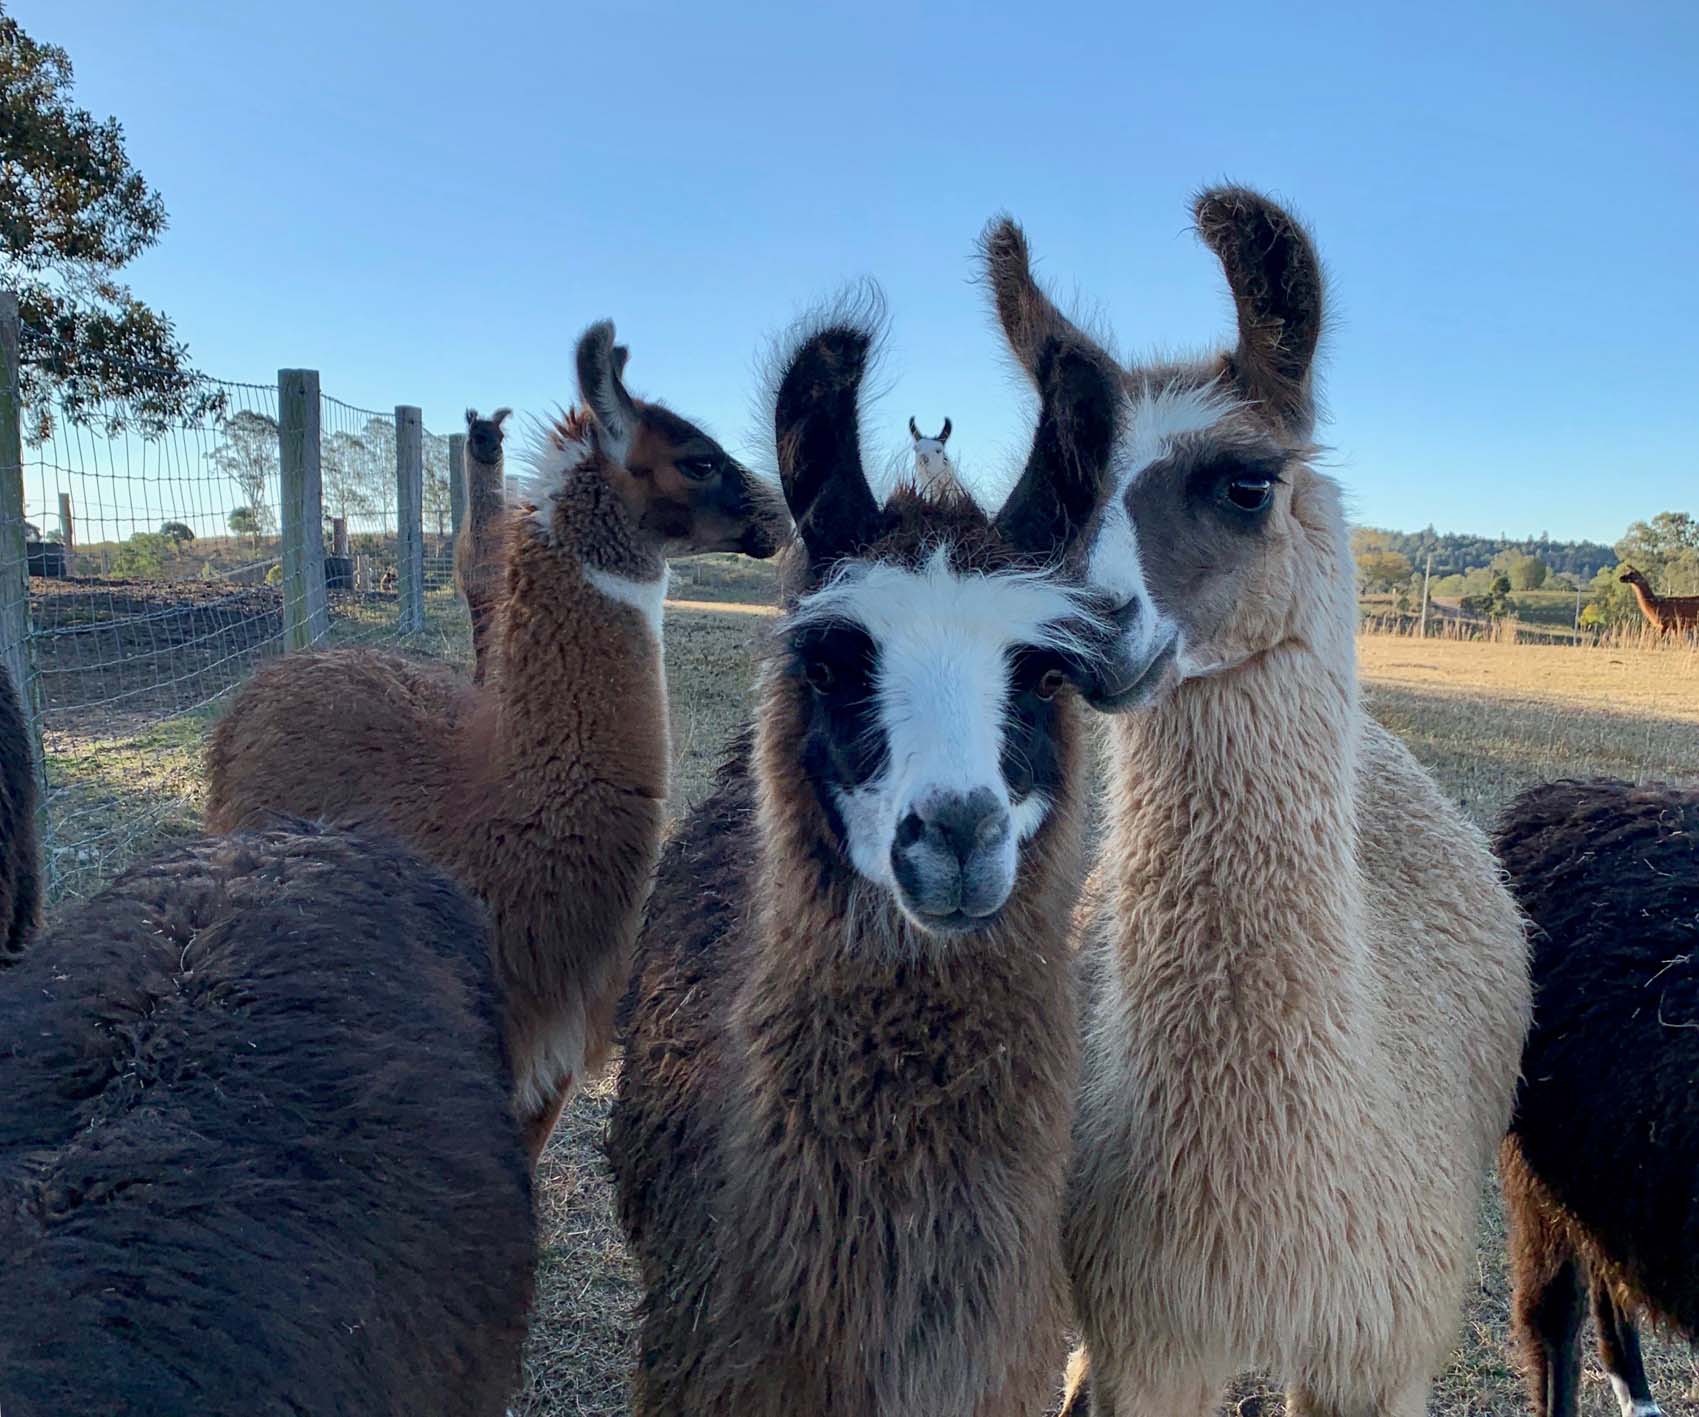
pixel 581 690
pixel 1651 606
pixel 1233 885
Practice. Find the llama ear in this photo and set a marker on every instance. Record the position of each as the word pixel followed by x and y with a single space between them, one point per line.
pixel 500 416
pixel 599 387
pixel 816 428
pixel 1079 420
pixel 1276 279
pixel 944 437
pixel 1028 316
pixel 621 354
pixel 913 428
pixel 471 416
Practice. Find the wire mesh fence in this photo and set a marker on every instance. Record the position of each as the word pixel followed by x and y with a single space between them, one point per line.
pixel 154 567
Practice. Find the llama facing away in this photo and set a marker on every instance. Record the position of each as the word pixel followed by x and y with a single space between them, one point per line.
pixel 932 470
pixel 1667 614
pixel 841 1128
pixel 1306 988
pixel 256 1153
pixel 1601 1165
pixel 20 865
pixel 479 569
pixel 543 790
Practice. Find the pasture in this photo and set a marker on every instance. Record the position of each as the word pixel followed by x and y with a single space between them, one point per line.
pixel 1487 719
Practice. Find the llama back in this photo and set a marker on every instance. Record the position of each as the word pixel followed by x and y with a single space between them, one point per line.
pixel 1605 1125
pixel 255 1146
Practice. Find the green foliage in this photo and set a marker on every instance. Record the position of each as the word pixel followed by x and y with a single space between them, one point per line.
pixel 178 533
pixel 1524 572
pixel 1495 604
pixel 1455 553
pixel 74 212
pixel 1382 570
pixel 244 523
pixel 274 574
pixel 143 555
pixel 247 454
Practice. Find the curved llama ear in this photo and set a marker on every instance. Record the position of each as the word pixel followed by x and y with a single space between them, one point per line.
pixel 500 416
pixel 471 416
pixel 944 436
pixel 913 428
pixel 600 389
pixel 1079 423
pixel 1028 316
pixel 1276 279
pixel 817 432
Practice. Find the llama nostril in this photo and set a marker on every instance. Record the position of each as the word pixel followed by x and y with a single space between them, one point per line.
pixel 966 824
pixel 910 830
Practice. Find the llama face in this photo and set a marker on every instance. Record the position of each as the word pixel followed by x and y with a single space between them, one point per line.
pixel 929 697
pixel 681 488
pixel 484 435
pixel 1213 534
pixel 927 660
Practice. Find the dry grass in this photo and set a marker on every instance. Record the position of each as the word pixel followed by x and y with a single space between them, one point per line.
pixel 1486 718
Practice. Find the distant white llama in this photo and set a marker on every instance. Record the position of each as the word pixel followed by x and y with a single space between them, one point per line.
pixel 932 470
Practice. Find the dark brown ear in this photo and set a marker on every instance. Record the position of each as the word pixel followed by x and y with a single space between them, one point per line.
pixel 471 416
pixel 944 436
pixel 1276 279
pixel 1079 420
pixel 500 416
pixel 1028 316
pixel 817 431
pixel 599 387
pixel 913 428
pixel 621 354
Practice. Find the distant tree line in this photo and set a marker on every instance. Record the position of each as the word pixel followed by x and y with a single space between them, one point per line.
pixel 1457 552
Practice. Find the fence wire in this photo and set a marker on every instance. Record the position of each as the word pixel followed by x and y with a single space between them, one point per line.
pixel 155 587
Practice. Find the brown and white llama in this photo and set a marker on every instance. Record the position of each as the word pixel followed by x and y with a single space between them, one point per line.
pixel 479 554
pixel 932 468
pixel 1306 987
pixel 842 1123
pixel 544 789
pixel 1667 614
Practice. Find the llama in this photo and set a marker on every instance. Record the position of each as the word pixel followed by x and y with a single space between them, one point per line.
pixel 1667 614
pixel 1305 986
pixel 544 789
pixel 255 1148
pixel 842 1119
pixel 20 866
pixel 931 463
pixel 478 568
pixel 1601 1165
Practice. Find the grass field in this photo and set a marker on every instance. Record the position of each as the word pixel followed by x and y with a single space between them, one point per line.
pixel 1487 719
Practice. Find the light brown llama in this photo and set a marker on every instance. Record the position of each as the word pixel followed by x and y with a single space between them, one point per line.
pixel 480 569
pixel 1306 987
pixel 542 790
pixel 1667 614
pixel 842 1122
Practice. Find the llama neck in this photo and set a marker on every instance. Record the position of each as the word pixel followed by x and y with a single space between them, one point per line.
pixel 1232 866
pixel 1650 605
pixel 581 686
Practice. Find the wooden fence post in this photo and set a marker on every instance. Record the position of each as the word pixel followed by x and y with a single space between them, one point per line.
pixel 306 609
pixel 14 560
pixel 457 481
pixel 410 516
pixel 67 527
pixel 1427 577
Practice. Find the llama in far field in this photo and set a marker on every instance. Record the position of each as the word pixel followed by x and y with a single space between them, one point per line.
pixel 480 564
pixel 932 470
pixel 1667 614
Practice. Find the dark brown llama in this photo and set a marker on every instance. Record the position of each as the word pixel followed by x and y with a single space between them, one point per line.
pixel 851 1055
pixel 479 569
pixel 1667 614
pixel 544 789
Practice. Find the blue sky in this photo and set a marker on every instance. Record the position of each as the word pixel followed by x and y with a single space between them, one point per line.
pixel 428 201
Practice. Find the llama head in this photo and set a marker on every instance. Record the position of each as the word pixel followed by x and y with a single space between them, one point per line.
pixel 931 462
pixel 484 435
pixel 683 492
pixel 1630 576
pixel 1215 540
pixel 916 728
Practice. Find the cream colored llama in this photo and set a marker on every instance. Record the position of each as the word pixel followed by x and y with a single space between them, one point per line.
pixel 1306 988
pixel 932 470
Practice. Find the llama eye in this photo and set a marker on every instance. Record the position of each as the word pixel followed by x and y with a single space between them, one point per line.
pixel 819 675
pixel 1050 684
pixel 1250 494
pixel 697 469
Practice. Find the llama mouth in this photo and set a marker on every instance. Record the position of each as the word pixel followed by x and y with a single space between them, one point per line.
pixel 1140 685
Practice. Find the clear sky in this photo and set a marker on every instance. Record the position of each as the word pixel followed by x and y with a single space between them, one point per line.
pixel 427 201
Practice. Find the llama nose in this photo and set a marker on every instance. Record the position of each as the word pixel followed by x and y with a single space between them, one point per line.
pixel 959 825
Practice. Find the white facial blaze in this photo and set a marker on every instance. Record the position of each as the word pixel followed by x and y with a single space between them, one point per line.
pixel 1154 419
pixel 943 641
